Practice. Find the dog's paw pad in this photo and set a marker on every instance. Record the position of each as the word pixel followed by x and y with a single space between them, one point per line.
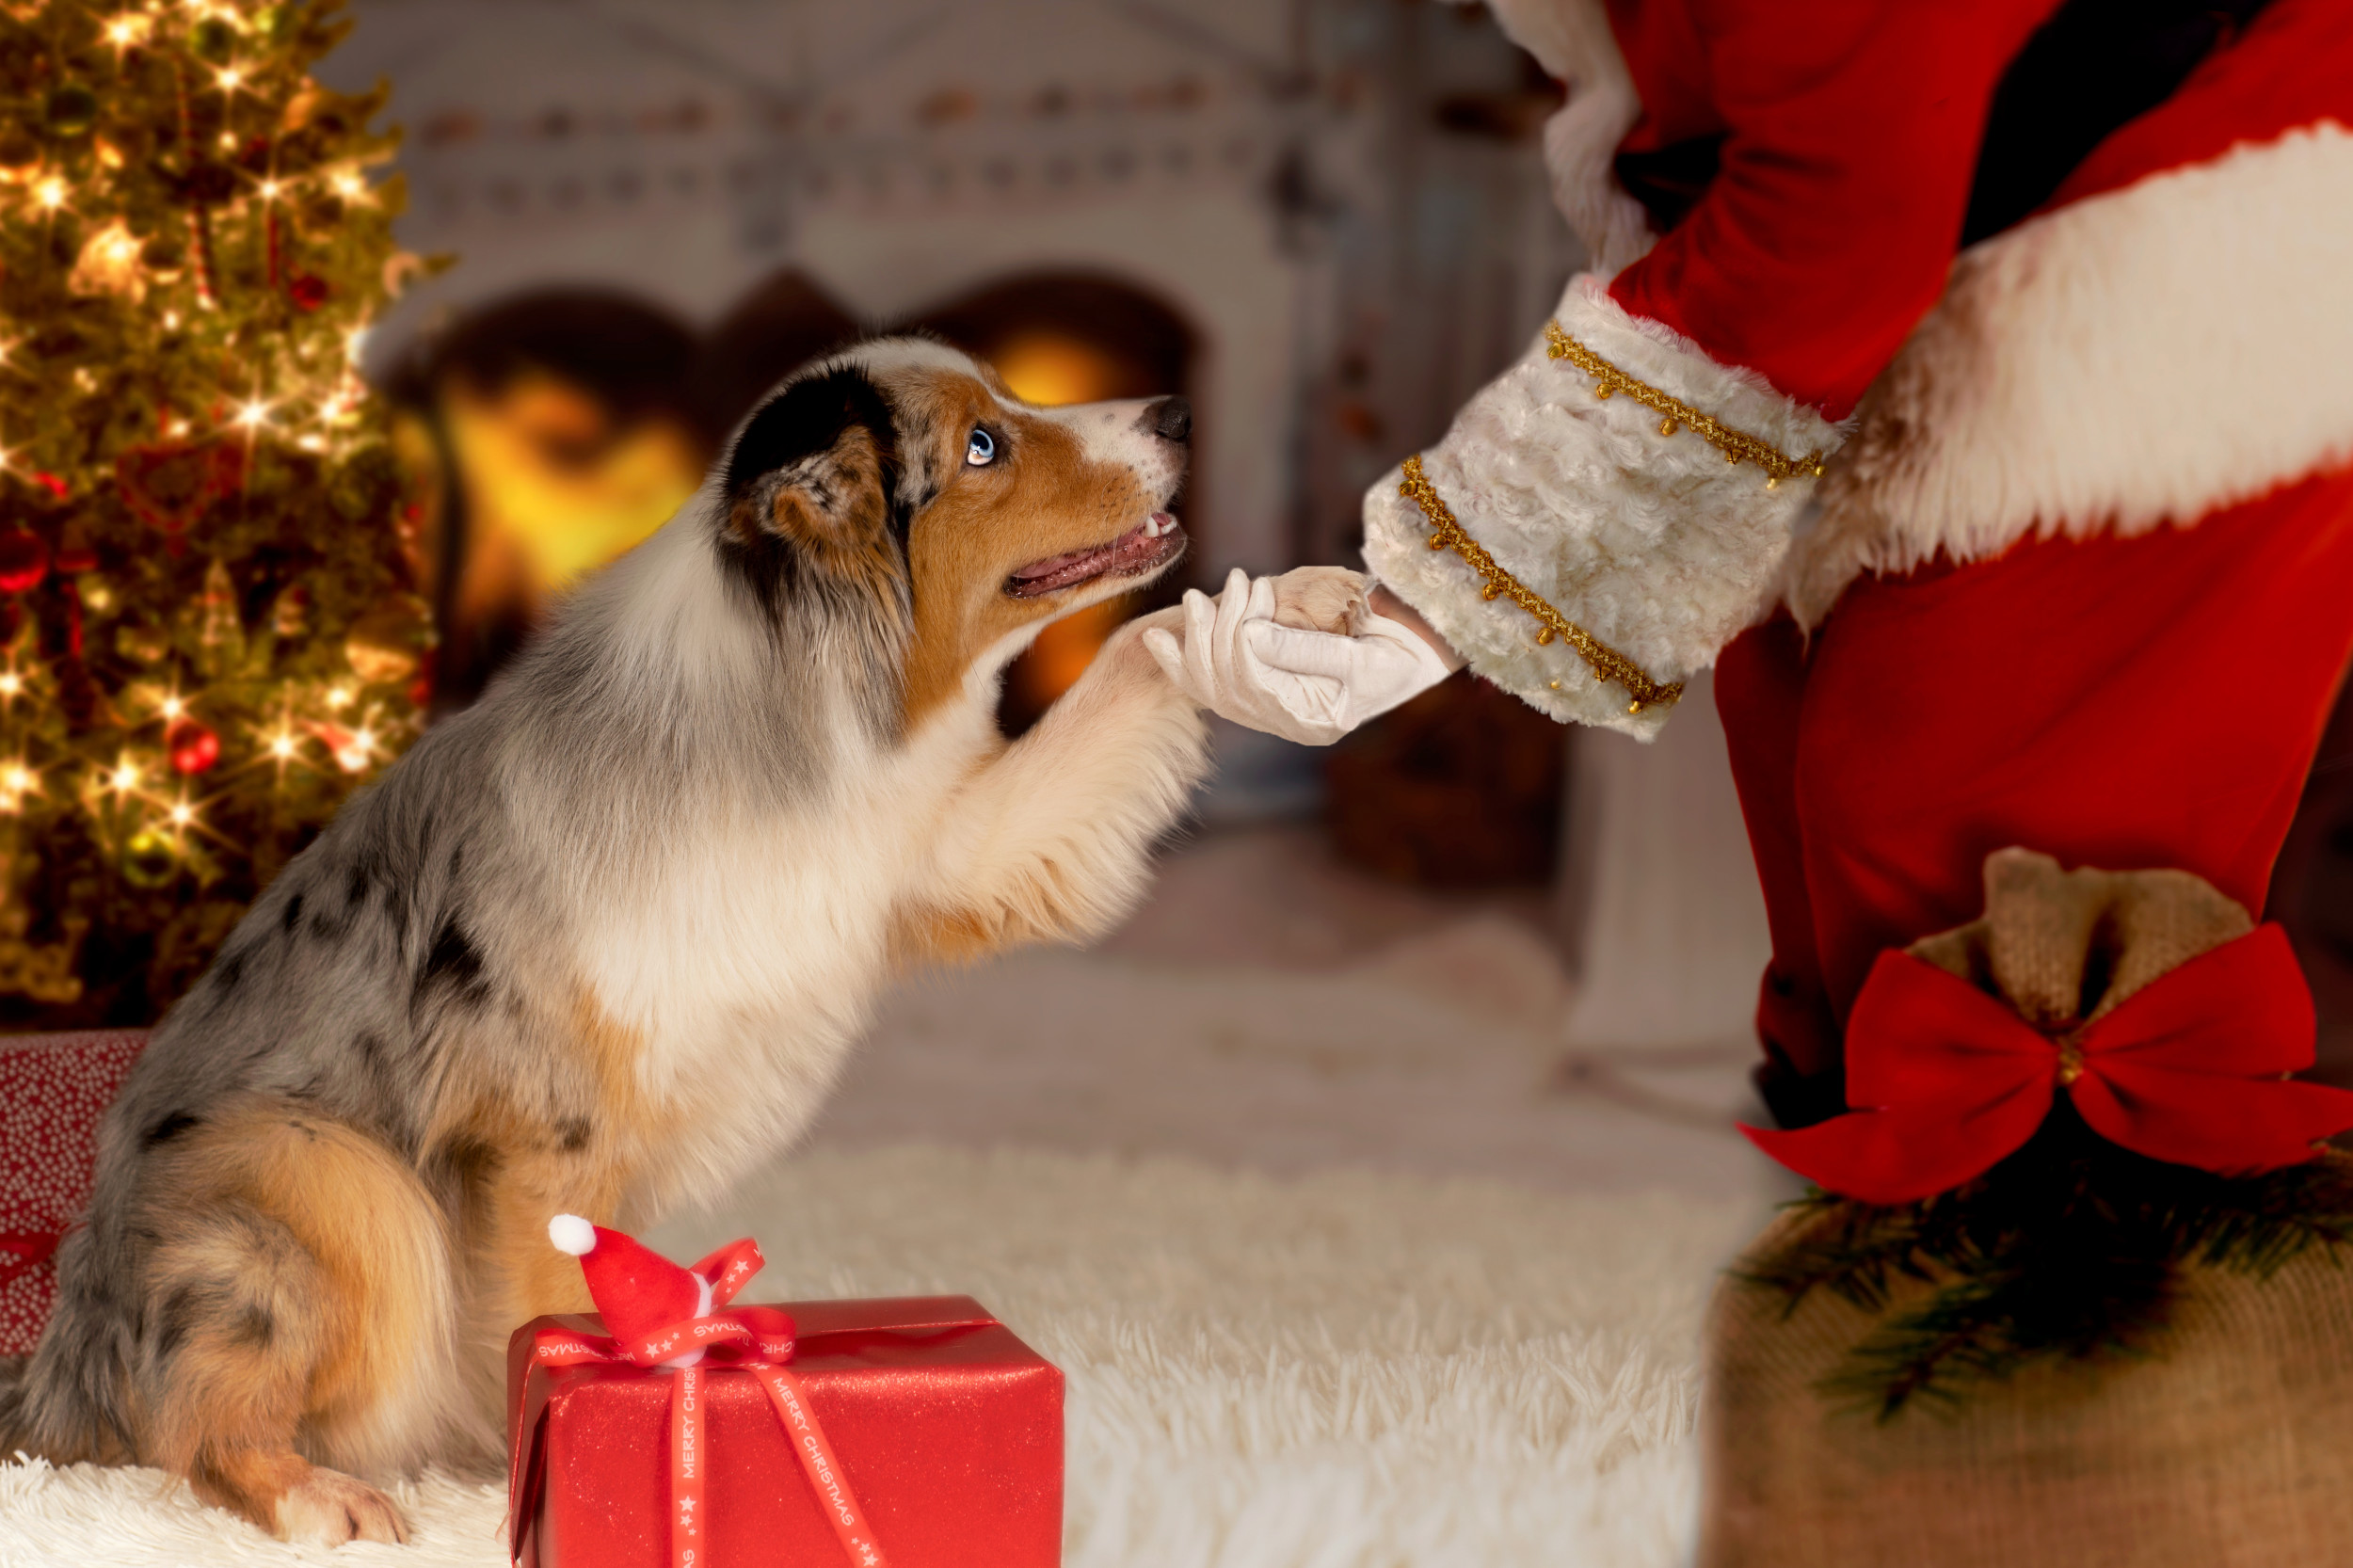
pixel 328 1507
pixel 1322 598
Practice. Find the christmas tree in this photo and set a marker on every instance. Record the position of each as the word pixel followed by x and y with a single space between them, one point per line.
pixel 206 636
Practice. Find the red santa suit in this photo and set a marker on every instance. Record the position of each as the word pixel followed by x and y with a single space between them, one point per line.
pixel 2077 571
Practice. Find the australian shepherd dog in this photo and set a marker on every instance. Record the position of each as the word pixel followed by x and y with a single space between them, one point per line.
pixel 600 943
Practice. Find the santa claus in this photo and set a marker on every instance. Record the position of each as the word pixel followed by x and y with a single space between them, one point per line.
pixel 1970 385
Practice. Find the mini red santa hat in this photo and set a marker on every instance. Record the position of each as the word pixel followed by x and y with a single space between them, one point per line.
pixel 637 1291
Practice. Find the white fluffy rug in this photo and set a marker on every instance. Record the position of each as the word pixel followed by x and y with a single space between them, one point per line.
pixel 1343 1370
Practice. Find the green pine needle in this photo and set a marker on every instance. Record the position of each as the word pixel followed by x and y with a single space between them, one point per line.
pixel 2071 1249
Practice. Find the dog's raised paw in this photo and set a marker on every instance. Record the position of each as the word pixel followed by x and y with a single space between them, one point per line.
pixel 1322 598
pixel 328 1507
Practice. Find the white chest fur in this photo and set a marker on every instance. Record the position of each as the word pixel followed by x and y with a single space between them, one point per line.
pixel 748 957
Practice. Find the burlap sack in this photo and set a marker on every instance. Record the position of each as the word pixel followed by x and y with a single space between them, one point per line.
pixel 2231 1445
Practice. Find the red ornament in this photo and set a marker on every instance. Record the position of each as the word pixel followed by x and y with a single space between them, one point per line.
pixel 420 689
pixel 308 291
pixel 169 487
pixel 352 752
pixel 192 746
pixel 24 560
pixel 51 483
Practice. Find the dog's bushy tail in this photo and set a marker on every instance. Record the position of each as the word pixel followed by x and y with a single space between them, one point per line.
pixel 15 1431
pixel 62 1419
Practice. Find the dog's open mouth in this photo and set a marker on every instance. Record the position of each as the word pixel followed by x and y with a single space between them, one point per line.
pixel 1149 545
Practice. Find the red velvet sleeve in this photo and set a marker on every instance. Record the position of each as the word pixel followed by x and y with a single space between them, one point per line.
pixel 1850 133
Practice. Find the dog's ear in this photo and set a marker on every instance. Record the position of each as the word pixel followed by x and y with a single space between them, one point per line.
pixel 816 471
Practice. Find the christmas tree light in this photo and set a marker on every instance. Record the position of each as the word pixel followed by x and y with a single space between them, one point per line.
pixel 206 637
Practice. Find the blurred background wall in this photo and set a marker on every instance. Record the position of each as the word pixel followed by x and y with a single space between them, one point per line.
pixel 1325 221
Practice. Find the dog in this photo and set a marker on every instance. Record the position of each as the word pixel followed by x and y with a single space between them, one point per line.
pixel 600 943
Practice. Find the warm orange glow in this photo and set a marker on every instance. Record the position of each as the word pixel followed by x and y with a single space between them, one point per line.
pixel 554 488
pixel 109 264
pixel 1063 650
pixel 1050 369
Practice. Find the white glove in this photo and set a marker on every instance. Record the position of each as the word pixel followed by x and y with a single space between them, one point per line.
pixel 1312 687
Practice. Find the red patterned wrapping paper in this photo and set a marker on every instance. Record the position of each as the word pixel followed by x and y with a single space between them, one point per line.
pixel 947 1428
pixel 54 1091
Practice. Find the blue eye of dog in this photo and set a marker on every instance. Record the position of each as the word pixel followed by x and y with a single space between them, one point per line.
pixel 981 449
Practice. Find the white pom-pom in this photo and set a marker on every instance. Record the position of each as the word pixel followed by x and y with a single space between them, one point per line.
pixel 572 1234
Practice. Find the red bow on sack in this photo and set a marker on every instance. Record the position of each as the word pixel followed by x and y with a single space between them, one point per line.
pixel 2192 1068
pixel 757 1339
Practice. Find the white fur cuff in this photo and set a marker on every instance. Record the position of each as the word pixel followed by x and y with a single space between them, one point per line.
pixel 1655 544
pixel 2143 355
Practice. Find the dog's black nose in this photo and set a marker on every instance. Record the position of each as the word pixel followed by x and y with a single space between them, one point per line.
pixel 1171 419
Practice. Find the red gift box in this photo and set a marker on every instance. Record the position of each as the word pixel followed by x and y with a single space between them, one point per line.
pixel 923 1414
pixel 54 1091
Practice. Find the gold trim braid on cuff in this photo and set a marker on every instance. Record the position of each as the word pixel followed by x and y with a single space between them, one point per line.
pixel 1608 663
pixel 1736 446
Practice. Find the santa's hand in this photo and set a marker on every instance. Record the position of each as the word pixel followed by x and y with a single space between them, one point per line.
pixel 1312 687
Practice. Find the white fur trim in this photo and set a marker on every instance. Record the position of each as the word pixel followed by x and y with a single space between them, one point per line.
pixel 572 1234
pixel 2143 355
pixel 1572 41
pixel 1653 543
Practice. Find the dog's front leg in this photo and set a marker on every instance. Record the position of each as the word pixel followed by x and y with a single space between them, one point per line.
pixel 1052 840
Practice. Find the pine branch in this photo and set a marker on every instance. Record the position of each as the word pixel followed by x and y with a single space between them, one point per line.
pixel 2070 1250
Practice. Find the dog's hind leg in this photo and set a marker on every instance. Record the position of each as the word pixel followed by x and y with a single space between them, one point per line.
pixel 295 1308
pixel 513 1274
